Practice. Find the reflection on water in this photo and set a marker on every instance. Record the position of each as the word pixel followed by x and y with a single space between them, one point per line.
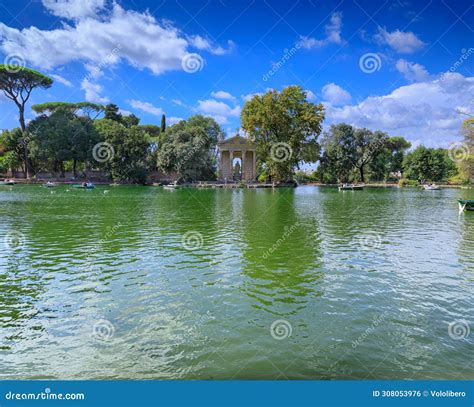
pixel 146 283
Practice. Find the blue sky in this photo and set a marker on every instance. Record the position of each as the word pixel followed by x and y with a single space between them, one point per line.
pixel 402 66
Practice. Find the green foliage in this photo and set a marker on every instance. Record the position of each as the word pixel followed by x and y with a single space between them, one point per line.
pixel 17 83
pixel 428 164
pixel 111 112
pixel 283 117
pixel 13 142
pixel 404 182
pixel 388 161
pixel 8 160
pixel 303 177
pixel 130 120
pixel 50 107
pixel 466 164
pixel 188 148
pixel 163 123
pixel 61 137
pixel 130 158
pixel 348 149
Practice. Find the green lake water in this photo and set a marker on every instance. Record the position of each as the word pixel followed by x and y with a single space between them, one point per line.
pixel 307 283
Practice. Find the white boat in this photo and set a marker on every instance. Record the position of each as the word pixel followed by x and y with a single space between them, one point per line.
pixel 49 184
pixel 431 187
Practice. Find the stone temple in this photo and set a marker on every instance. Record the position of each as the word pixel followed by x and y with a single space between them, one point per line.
pixel 241 148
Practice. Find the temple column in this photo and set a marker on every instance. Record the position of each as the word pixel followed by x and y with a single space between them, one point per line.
pixel 231 167
pixel 244 166
pixel 254 165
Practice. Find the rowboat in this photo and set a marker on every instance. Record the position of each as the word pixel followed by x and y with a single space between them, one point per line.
pixel 7 182
pixel 431 187
pixel 466 205
pixel 85 185
pixel 351 187
pixel 49 184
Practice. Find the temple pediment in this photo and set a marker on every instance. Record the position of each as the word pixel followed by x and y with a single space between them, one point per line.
pixel 236 141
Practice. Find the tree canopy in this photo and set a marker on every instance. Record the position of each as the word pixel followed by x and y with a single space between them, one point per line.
pixel 17 83
pixel 285 127
pixel 87 107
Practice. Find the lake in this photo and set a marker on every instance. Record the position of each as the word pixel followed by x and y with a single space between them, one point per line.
pixel 308 283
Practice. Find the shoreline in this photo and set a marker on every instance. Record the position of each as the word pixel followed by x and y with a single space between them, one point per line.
pixel 217 185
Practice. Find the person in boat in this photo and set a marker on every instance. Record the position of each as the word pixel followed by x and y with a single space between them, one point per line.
pixel 84 184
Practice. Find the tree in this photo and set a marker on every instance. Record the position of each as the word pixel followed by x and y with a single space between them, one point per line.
pixel 348 149
pixel 285 127
pixel 187 153
pixel 466 160
pixel 130 120
pixel 11 147
pixel 163 123
pixel 368 145
pixel 62 136
pixel 128 155
pixel 17 83
pixel 389 160
pixel 209 125
pixel 428 164
pixel 111 112
pixel 87 108
pixel 339 154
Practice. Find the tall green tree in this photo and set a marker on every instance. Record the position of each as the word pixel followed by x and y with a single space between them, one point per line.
pixel 285 127
pixel 60 137
pixel 163 123
pixel 187 154
pixel 111 112
pixel 17 84
pixel 428 164
pixel 128 157
pixel 389 161
pixel 12 149
pixel 466 161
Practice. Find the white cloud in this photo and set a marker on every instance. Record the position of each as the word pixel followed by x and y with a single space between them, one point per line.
pixel 117 35
pixel 424 111
pixel 249 96
pixel 310 95
pixel 400 41
pixel 74 9
pixel 62 80
pixel 204 44
pixel 93 91
pixel 220 111
pixel 335 95
pixel 412 71
pixel 333 34
pixel 146 107
pixel 220 94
